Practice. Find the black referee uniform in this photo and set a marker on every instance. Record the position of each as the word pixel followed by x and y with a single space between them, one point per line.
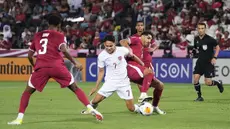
pixel 205 46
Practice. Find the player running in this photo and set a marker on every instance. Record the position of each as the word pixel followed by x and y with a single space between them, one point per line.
pixel 49 64
pixel 116 79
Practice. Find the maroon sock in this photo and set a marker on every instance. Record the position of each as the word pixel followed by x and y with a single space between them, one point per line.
pixel 24 101
pixel 157 95
pixel 146 82
pixel 81 96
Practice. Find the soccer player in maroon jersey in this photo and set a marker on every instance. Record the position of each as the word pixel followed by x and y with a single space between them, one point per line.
pixel 156 84
pixel 49 64
pixel 136 72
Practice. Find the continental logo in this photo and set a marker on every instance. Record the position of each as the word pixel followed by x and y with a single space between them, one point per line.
pixel 15 69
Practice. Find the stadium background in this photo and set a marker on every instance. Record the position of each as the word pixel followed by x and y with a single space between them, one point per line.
pixel 173 23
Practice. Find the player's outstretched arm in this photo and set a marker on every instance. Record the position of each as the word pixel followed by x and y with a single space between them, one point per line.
pixel 30 57
pixel 100 76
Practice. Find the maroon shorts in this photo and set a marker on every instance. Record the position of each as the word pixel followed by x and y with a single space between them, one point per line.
pixel 136 73
pixel 40 77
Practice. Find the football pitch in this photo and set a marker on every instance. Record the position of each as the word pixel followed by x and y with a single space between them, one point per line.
pixel 57 108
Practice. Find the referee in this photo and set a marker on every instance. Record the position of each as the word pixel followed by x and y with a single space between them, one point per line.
pixel 204 46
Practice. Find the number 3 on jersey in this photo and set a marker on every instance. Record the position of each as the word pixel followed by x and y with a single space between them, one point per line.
pixel 44 43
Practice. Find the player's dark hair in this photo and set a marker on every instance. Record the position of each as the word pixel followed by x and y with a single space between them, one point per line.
pixel 139 22
pixel 54 20
pixel 146 33
pixel 201 23
pixel 109 38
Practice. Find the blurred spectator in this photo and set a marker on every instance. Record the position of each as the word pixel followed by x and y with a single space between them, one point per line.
pixel 7 35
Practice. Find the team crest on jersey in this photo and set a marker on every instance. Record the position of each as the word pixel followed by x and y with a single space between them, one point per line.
pixel 120 58
pixel 205 47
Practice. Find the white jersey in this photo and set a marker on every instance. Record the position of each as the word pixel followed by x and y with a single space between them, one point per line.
pixel 115 63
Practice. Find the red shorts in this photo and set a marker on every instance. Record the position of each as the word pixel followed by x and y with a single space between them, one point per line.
pixel 40 77
pixel 135 73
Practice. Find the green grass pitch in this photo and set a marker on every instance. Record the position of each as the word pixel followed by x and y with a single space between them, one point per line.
pixel 57 108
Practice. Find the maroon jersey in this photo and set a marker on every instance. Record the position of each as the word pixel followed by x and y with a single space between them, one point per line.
pixel 147 58
pixel 136 45
pixel 47 45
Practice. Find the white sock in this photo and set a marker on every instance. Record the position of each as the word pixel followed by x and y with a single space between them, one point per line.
pixel 143 94
pixel 20 115
pixel 136 108
pixel 89 107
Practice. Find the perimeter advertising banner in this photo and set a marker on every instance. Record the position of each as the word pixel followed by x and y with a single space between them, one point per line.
pixel 173 70
pixel 19 69
pixel 91 69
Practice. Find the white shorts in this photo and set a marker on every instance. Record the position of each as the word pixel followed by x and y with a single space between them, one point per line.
pixel 124 91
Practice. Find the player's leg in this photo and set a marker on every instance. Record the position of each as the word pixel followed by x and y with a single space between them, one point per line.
pixel 197 73
pixel 65 79
pixel 83 98
pixel 147 80
pixel 104 92
pixel 157 92
pixel 137 74
pixel 37 81
pixel 209 74
pixel 94 103
pixel 23 105
pixel 125 92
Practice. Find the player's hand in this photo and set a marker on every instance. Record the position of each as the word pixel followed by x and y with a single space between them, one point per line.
pixel 93 91
pixel 213 61
pixel 79 66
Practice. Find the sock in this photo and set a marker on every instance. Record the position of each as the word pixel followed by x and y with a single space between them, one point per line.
pixel 136 108
pixel 143 95
pixel 214 83
pixel 146 82
pixel 24 102
pixel 197 88
pixel 157 95
pixel 81 96
pixel 20 115
pixel 94 105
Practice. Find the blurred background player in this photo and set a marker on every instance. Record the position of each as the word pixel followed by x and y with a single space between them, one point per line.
pixel 116 79
pixel 50 64
pixel 205 64
pixel 135 70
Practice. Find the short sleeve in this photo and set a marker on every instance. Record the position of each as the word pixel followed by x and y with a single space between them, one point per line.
pixel 215 42
pixel 62 40
pixel 132 40
pixel 100 62
pixel 125 50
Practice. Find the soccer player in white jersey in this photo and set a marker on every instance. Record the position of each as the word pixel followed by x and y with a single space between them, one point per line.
pixel 116 78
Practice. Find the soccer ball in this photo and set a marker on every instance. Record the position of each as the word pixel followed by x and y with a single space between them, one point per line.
pixel 146 109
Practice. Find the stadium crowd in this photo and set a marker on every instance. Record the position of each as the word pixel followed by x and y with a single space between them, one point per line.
pixel 173 22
